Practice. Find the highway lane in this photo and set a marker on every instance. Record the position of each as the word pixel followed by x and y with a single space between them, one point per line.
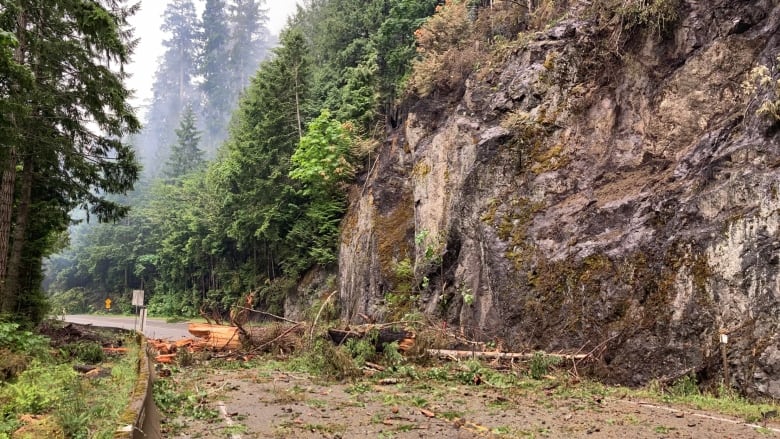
pixel 154 328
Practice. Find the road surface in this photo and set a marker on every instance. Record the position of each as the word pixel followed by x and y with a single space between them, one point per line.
pixel 154 328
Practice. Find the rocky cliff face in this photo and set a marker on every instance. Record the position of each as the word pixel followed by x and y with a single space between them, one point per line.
pixel 591 191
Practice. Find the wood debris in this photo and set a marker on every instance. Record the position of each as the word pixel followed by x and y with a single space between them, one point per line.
pixel 278 338
pixel 448 353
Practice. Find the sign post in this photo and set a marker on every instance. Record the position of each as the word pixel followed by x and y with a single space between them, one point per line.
pixel 138 303
pixel 724 340
pixel 138 297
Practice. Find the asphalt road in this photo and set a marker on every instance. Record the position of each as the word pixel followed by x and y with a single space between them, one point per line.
pixel 154 328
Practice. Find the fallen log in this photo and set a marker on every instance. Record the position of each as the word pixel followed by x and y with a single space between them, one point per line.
pixel 383 336
pixel 447 353
pixel 83 368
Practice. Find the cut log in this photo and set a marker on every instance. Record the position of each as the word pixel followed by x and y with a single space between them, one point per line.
pixel 445 353
pixel 165 359
pixel 115 350
pixel 184 342
pixel 406 344
pixel 216 336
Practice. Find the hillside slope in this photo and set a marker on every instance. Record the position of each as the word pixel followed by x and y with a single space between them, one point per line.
pixel 599 180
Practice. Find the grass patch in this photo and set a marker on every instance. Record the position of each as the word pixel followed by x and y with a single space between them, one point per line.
pixel 63 402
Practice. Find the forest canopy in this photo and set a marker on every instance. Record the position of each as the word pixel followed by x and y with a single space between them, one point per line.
pixel 284 137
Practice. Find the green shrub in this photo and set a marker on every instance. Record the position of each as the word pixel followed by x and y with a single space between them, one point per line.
pixel 361 349
pixel 84 351
pixel 72 415
pixel 16 340
pixel 328 361
pixel 541 363
pixel 323 158
pixel 38 389
pixel 392 356
pixel 685 386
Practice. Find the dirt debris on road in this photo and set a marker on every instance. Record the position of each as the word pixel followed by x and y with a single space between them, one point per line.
pixel 263 398
pixel 282 382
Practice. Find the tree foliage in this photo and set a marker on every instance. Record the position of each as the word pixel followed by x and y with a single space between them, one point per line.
pixel 186 155
pixel 65 111
pixel 269 206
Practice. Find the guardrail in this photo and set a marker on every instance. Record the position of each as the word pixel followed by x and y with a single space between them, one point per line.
pixel 141 419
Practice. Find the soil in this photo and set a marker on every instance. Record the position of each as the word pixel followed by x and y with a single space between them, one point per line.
pixel 261 403
pixel 62 333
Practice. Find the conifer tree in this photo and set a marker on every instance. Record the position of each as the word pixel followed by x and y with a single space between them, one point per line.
pixel 173 86
pixel 55 157
pixel 185 155
pixel 249 40
pixel 219 98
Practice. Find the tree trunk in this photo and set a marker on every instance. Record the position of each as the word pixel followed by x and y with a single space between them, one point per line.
pixel 298 107
pixel 12 281
pixel 6 216
pixel 8 182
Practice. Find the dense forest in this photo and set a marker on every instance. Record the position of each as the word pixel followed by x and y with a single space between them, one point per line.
pixel 245 163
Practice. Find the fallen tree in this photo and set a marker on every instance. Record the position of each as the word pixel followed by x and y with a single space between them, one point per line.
pixel 448 353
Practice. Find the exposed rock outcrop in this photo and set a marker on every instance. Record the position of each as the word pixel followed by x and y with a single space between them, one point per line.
pixel 579 194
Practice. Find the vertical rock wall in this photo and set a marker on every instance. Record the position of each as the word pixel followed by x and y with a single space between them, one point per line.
pixel 574 197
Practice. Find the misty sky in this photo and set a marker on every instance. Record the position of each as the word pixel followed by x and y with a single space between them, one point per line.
pixel 147 24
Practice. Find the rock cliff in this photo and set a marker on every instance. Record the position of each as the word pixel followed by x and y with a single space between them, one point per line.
pixel 590 185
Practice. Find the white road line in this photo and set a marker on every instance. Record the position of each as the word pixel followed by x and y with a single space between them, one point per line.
pixel 226 418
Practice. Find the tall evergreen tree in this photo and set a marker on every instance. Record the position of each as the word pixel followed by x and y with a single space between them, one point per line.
pixel 181 22
pixel 249 40
pixel 219 98
pixel 186 156
pixel 173 87
pixel 56 159
pixel 260 198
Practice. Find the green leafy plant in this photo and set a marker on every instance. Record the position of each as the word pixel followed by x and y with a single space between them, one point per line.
pixel 37 389
pixel 684 387
pixel 392 356
pixel 362 349
pixel 84 351
pixel 16 340
pixel 541 363
pixel 322 159
pixel 466 294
